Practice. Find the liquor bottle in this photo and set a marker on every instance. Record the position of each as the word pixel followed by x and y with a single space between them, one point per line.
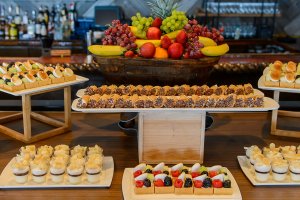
pixel 38 20
pixel 31 26
pixel 46 15
pixel 57 24
pixel 2 22
pixel 72 16
pixel 17 17
pixel 44 31
pixel 23 28
pixel 8 22
pixel 51 22
pixel 13 31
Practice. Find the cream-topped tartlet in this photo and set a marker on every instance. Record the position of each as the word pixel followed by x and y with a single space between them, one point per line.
pixel 93 171
pixel 295 170
pixel 262 169
pixel 39 169
pixel 21 171
pixel 75 171
pixel 279 169
pixel 57 171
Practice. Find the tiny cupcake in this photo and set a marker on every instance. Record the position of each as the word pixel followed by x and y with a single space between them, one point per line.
pixel 21 171
pixel 279 168
pixel 295 170
pixel 57 171
pixel 262 170
pixel 93 171
pixel 251 150
pixel 62 147
pixel 75 171
pixel 28 149
pixel 39 170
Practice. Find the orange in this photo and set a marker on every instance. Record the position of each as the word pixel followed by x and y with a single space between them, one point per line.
pixel 161 53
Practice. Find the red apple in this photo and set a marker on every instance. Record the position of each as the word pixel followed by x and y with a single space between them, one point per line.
pixel 157 22
pixel 153 33
pixel 181 37
pixel 166 42
pixel 147 50
pixel 175 50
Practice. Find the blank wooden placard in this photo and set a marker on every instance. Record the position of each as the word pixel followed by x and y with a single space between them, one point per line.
pixel 171 137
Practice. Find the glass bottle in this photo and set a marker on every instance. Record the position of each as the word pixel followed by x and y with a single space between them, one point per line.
pixel 2 22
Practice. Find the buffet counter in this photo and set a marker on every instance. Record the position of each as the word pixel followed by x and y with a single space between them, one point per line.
pixel 224 142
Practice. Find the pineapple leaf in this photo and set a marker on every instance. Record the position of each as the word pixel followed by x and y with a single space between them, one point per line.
pixel 162 8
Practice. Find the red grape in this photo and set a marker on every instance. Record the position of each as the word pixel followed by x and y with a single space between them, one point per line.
pixel 119 34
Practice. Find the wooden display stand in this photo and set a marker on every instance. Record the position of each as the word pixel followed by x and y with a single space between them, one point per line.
pixel 276 113
pixel 172 135
pixel 27 114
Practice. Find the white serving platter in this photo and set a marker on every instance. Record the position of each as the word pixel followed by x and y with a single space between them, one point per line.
pixel 249 172
pixel 261 85
pixel 128 192
pixel 269 104
pixel 80 92
pixel 79 79
pixel 7 179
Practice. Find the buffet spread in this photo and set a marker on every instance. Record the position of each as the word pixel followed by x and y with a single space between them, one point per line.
pixel 166 113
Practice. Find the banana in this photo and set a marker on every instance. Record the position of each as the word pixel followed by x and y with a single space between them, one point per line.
pixel 172 35
pixel 215 50
pixel 207 41
pixel 139 43
pixel 138 34
pixel 106 50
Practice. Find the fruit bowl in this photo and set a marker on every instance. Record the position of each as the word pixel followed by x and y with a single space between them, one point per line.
pixel 122 70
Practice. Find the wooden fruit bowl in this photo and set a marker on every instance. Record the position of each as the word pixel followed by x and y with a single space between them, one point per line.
pixel 121 70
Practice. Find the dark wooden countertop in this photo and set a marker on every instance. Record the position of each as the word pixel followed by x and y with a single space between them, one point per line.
pixel 231 58
pixel 223 143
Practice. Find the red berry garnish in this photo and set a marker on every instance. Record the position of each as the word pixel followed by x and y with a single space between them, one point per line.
pixel 137 173
pixel 198 184
pixel 217 183
pixel 212 173
pixel 139 184
pixel 175 173
pixel 178 183
pixel 159 183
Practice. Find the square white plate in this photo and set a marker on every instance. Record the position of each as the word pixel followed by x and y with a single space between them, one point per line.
pixel 128 193
pixel 7 179
pixel 249 172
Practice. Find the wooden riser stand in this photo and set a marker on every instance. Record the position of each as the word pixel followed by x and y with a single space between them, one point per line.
pixel 276 113
pixel 27 115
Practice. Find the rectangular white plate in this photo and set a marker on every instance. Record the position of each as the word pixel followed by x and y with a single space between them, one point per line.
pixel 261 85
pixel 251 176
pixel 128 193
pixel 80 92
pixel 269 104
pixel 79 79
pixel 7 179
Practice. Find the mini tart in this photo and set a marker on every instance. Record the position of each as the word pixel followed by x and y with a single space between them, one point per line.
pixel 31 81
pixel 297 82
pixel 17 84
pixel 69 74
pixel 44 78
pixel 272 78
pixel 291 66
pixel 287 81
pixel 58 77
pixel 277 65
pixel 27 65
pixel 185 190
pixel 3 70
pixel 143 190
pixel 164 189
